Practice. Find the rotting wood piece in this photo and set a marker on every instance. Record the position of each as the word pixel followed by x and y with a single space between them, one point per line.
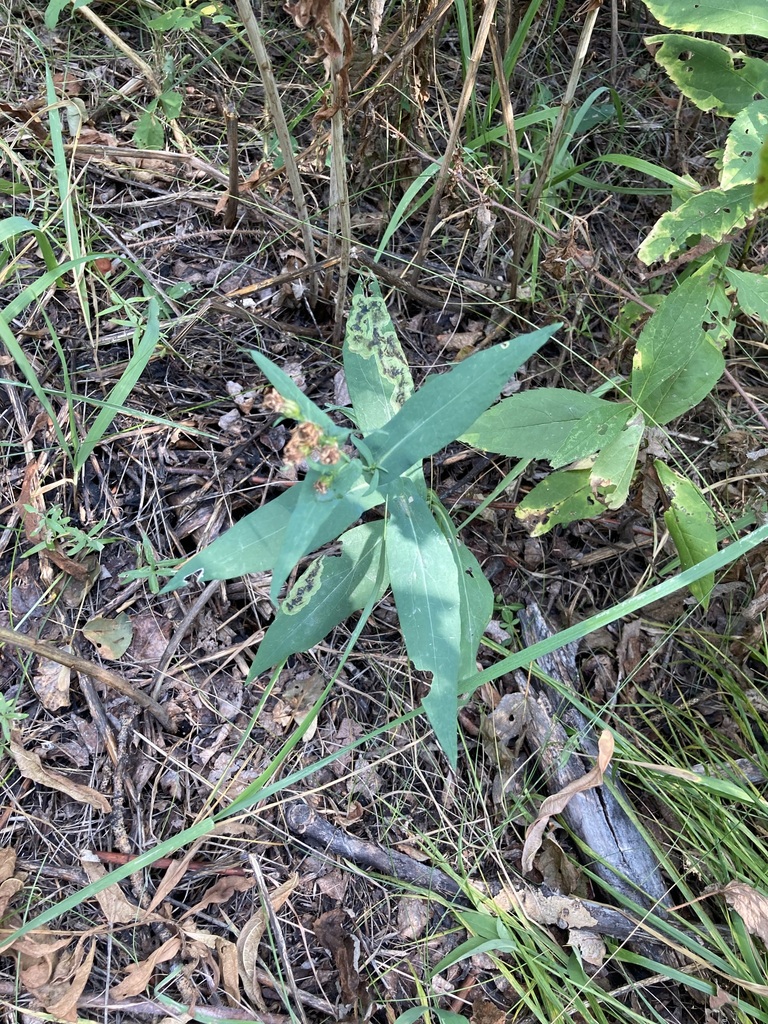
pixel 623 859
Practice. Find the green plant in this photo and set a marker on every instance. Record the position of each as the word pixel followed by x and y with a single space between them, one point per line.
pixel 442 597
pixel 593 444
pixel 152 568
pixel 55 528
pixel 9 717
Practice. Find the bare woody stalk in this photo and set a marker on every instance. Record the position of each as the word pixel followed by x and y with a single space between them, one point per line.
pixel 458 123
pixel 339 221
pixel 264 65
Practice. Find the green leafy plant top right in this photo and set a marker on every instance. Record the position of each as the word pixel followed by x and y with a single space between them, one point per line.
pixel 592 443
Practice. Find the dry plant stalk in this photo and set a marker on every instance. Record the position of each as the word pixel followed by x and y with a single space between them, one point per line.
pixel 264 64
pixel 453 140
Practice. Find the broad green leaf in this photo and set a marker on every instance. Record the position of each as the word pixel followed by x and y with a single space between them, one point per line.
pixel 563 497
pixel 142 353
pixel 734 17
pixel 712 214
pixel 425 585
pixel 678 359
pixel 691 525
pixel 751 292
pixel 53 12
pixel 537 424
pixel 741 158
pixel 760 195
pixel 376 370
pixel 711 75
pixel 148 132
pixel 475 592
pixel 331 589
pixel 253 543
pixel 318 513
pixel 289 390
pixel 449 403
pixel 614 467
pixel 598 429
pixel 172 102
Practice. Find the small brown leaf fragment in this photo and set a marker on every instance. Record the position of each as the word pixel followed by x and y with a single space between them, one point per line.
pixel 250 936
pixel 333 931
pixel 222 890
pixel 751 906
pixel 51 683
pixel 412 918
pixel 31 767
pixel 486 1012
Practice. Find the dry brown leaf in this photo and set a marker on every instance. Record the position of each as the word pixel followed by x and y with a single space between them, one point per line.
pixel 333 930
pixel 751 906
pixel 51 683
pixel 556 803
pixel 230 977
pixel 116 907
pixel 139 975
pixel 72 973
pixel 250 936
pixel 223 889
pixel 8 890
pixel 7 862
pixel 31 767
pixel 46 970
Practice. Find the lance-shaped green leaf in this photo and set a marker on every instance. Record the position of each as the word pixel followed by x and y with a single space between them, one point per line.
pixel 741 157
pixel 308 410
pixel 678 359
pixel 737 17
pixel 425 584
pixel 142 353
pixel 253 543
pixel 317 514
pixel 563 497
pixel 449 403
pixel 751 292
pixel 475 592
pixel 691 525
pixel 712 76
pixel 539 423
pixel 376 370
pixel 712 214
pixel 331 589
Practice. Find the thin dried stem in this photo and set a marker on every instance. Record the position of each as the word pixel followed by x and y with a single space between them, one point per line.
pixel 453 140
pixel 264 64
